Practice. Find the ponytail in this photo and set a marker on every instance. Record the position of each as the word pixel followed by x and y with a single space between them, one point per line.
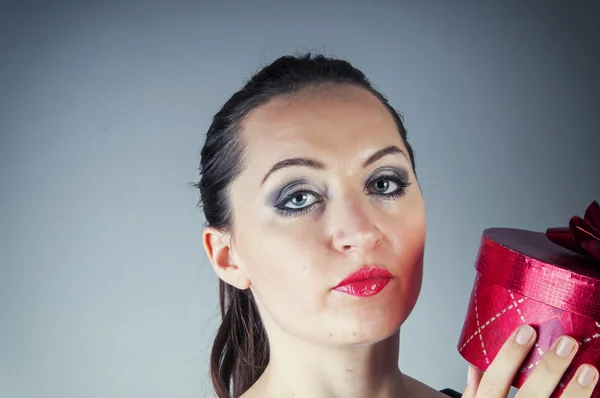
pixel 240 351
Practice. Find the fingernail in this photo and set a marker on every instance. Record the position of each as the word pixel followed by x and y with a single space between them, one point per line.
pixel 564 347
pixel 525 334
pixel 586 375
pixel 469 375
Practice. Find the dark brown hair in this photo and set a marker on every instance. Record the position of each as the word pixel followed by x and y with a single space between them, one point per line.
pixel 240 350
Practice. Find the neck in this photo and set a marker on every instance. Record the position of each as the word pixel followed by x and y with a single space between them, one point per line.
pixel 300 369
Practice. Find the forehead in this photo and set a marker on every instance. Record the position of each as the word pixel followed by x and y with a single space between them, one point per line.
pixel 333 121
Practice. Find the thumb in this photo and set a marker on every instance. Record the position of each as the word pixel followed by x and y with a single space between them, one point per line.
pixel 473 378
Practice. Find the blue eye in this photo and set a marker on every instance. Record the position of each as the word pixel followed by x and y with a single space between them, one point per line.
pixel 381 185
pixel 297 203
pixel 389 187
pixel 300 198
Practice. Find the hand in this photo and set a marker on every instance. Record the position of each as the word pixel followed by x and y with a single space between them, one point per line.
pixel 496 381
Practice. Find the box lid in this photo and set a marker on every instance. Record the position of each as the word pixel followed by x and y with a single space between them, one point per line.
pixel 528 263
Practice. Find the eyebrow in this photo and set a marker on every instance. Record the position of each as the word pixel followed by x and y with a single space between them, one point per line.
pixel 383 153
pixel 318 165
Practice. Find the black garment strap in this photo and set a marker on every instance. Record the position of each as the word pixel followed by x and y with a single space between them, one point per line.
pixel 451 393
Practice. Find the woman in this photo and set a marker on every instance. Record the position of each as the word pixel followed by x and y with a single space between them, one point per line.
pixel 316 229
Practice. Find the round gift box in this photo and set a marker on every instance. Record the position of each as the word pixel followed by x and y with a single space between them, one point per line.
pixel 524 278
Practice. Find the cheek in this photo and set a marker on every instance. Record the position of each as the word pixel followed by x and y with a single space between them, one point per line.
pixel 412 281
pixel 288 293
pixel 408 245
pixel 281 266
pixel 406 235
pixel 285 267
pixel 275 252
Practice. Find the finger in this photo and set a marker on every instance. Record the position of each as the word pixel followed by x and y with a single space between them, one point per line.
pixel 498 377
pixel 551 368
pixel 473 379
pixel 582 384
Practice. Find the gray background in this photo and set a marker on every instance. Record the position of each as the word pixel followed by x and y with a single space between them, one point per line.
pixel 104 287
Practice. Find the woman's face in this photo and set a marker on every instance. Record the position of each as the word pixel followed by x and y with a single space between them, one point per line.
pixel 327 188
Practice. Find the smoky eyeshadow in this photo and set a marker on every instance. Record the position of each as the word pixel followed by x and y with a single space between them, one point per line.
pixel 283 190
pixel 388 171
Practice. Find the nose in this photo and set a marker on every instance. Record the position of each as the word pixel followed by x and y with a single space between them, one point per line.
pixel 353 227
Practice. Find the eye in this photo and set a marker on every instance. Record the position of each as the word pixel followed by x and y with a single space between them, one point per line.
pixel 299 200
pixel 383 185
pixel 388 186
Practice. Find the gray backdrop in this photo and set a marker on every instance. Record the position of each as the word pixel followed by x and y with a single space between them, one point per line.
pixel 104 287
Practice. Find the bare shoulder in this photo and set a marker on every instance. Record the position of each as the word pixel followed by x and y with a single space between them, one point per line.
pixel 420 389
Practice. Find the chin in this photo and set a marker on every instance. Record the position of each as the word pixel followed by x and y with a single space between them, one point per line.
pixel 369 323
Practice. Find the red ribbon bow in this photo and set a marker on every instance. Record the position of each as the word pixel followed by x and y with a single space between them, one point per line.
pixel 582 235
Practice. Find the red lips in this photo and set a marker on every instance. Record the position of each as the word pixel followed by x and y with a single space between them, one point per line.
pixel 365 282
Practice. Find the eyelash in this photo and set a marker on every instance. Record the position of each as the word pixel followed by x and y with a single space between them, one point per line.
pixel 289 212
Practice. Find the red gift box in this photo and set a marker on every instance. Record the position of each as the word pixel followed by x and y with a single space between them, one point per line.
pixel 549 280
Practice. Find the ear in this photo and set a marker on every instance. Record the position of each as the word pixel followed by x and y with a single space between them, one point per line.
pixel 217 245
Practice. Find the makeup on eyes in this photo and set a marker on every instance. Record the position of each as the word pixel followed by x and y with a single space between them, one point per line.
pixel 303 190
pixel 396 174
pixel 287 189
